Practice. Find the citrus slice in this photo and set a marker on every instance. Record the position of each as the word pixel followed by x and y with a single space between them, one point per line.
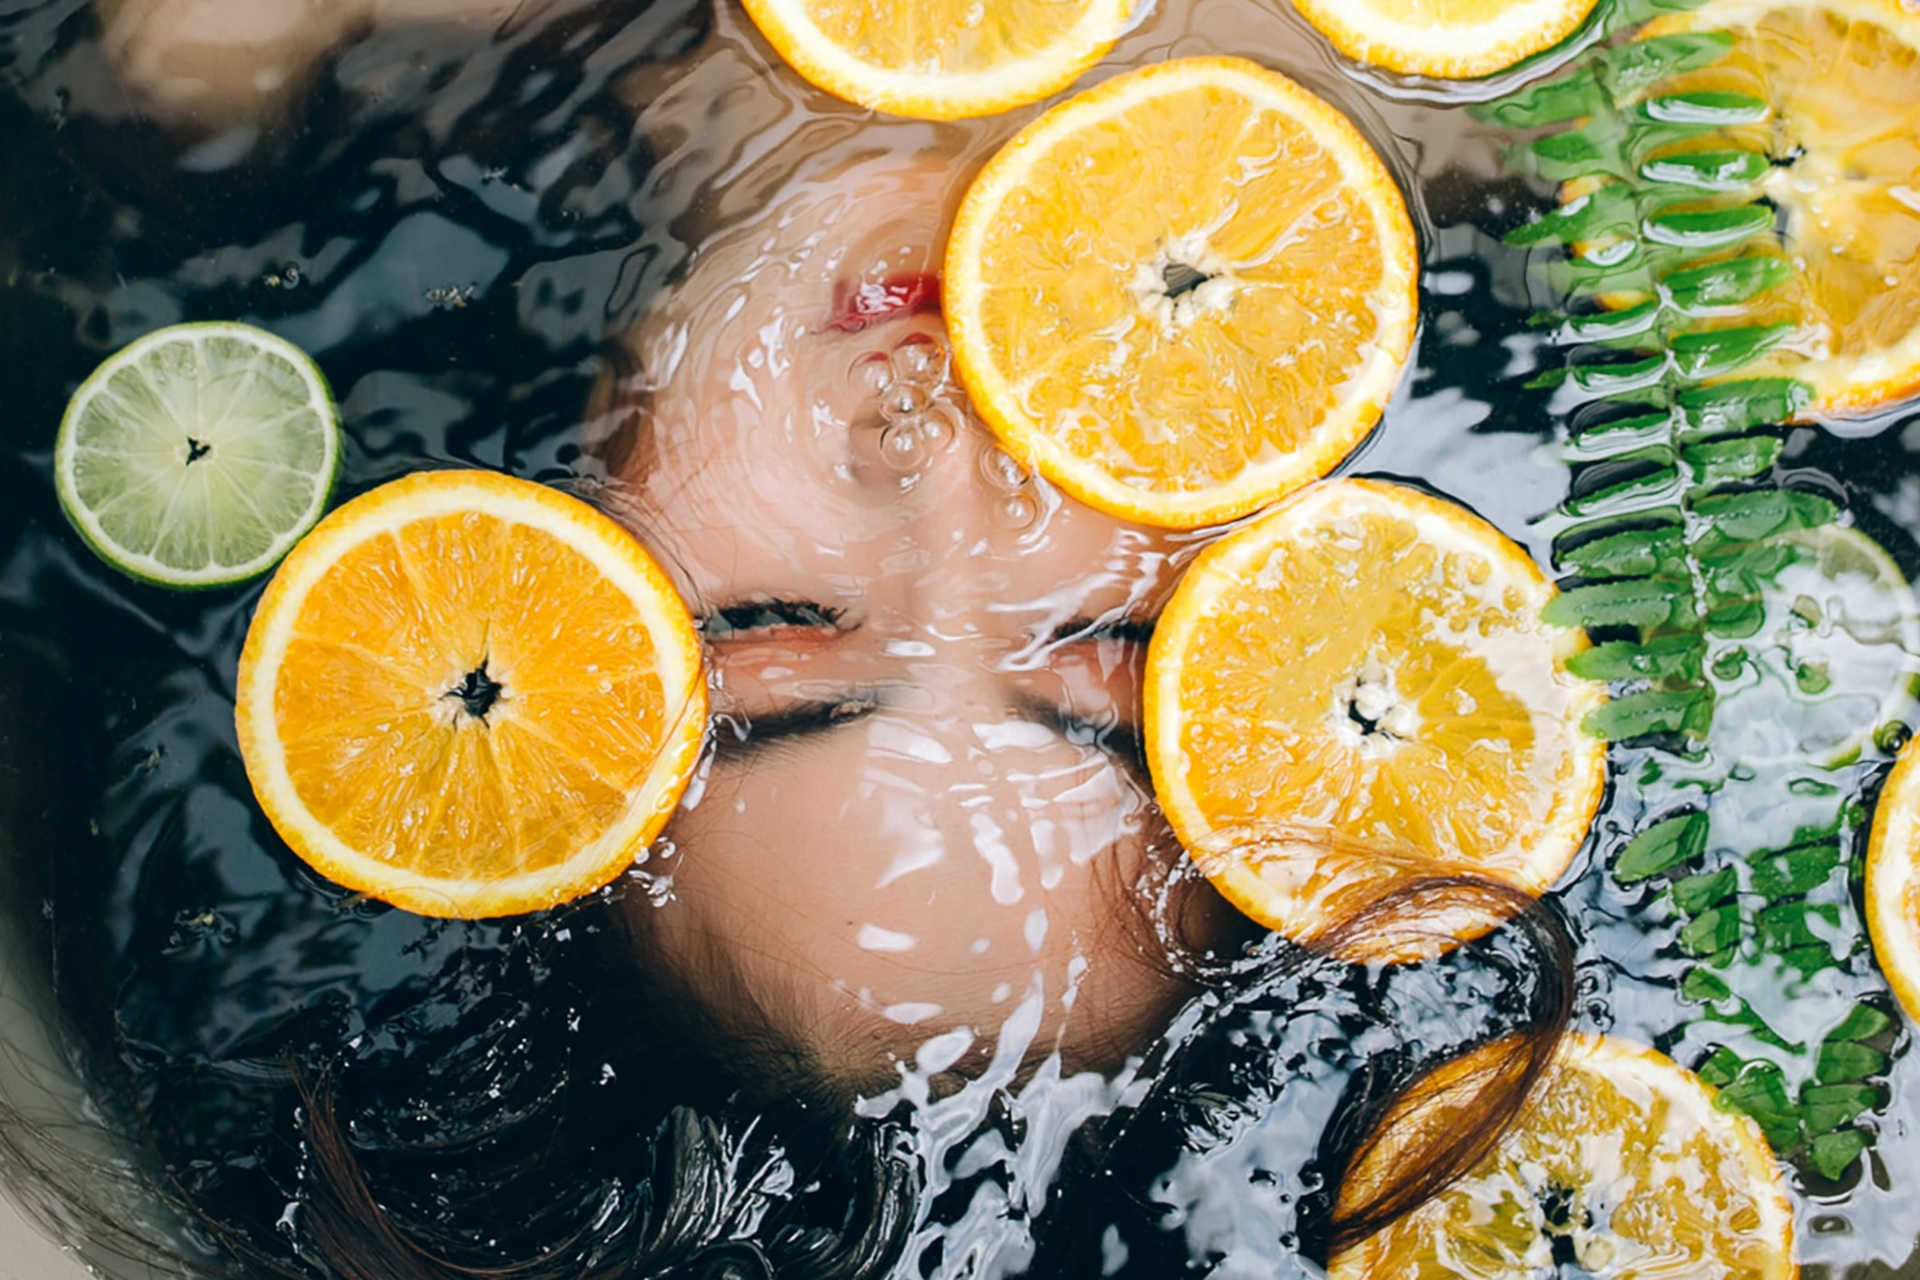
pixel 1841 80
pixel 1366 668
pixel 1450 39
pixel 1183 293
pixel 940 59
pixel 1835 659
pixel 1623 1166
pixel 1893 879
pixel 469 695
pixel 197 455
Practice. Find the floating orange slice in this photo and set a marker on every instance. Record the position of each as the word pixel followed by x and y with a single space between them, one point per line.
pixel 940 59
pixel 1357 688
pixel 469 695
pixel 1624 1166
pixel 1183 293
pixel 1841 82
pixel 1893 880
pixel 1450 39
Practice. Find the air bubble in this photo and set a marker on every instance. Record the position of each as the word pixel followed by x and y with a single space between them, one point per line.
pixel 902 400
pixel 920 358
pixel 871 374
pixel 1016 511
pixel 903 447
pixel 1000 469
pixel 940 424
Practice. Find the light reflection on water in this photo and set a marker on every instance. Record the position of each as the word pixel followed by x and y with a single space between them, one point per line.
pixel 453 235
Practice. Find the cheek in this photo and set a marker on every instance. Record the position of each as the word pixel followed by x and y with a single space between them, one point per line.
pixel 931 881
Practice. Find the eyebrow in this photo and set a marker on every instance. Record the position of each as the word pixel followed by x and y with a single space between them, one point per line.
pixel 860 306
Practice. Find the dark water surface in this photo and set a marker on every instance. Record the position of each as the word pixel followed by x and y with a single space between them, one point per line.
pixel 452 229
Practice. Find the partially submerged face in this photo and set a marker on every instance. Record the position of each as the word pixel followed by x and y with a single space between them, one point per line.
pixel 924 823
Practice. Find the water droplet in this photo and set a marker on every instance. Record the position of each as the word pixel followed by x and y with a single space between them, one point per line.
pixel 1000 469
pixel 902 400
pixel 940 424
pixel 1016 511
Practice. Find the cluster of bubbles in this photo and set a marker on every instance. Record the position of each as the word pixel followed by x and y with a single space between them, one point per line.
pixel 923 411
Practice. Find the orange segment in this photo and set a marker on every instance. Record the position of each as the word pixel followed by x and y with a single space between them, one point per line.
pixel 469 695
pixel 1624 1161
pixel 940 59
pixel 1841 79
pixel 1183 293
pixel 1893 880
pixel 1451 39
pixel 1358 687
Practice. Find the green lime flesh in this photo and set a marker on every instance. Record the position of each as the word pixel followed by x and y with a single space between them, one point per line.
pixel 198 455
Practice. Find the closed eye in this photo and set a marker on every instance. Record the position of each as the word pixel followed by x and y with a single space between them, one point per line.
pixel 748 616
pixel 1126 629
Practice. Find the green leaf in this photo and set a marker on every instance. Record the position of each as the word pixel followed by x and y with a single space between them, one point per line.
pixel 1611 326
pixel 1761 1092
pixel 1708 170
pixel 1615 377
pixel 1736 619
pixel 1635 715
pixel 1715 109
pixel 1637 553
pixel 1625 273
pixel 1828 1106
pixel 1788 925
pixel 1722 351
pixel 1726 284
pixel 1699 231
pixel 1694 894
pixel 1740 458
pixel 1589 151
pixel 1552 102
pixel 1843 1061
pixel 1863 1023
pixel 1638 602
pixel 1807 961
pixel 1743 405
pixel 1794 872
pixel 1611 210
pixel 1622 434
pixel 1675 657
pixel 1711 931
pixel 1832 1154
pixel 1721 1067
pixel 1703 986
pixel 1669 842
pixel 1629 68
pixel 1760 513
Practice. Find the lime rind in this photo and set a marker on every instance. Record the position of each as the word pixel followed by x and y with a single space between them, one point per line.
pixel 198 455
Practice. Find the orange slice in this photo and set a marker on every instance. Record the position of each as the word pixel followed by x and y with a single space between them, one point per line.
pixel 1893 880
pixel 1184 293
pixel 469 695
pixel 940 59
pixel 1841 80
pixel 1624 1165
pixel 1359 686
pixel 1451 39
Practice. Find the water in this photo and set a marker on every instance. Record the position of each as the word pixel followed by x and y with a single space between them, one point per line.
pixel 454 230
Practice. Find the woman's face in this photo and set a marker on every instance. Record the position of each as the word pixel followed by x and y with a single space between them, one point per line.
pixel 924 814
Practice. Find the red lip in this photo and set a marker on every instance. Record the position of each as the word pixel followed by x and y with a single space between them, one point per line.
pixel 856 307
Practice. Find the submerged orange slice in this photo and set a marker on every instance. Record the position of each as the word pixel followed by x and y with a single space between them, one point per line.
pixel 940 59
pixel 469 695
pixel 1893 880
pixel 1357 687
pixel 1183 293
pixel 1450 39
pixel 1624 1164
pixel 1841 82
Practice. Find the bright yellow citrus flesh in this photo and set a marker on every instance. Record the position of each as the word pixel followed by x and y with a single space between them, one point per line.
pixel 940 59
pixel 1183 293
pixel 1893 880
pixel 1842 81
pixel 1624 1162
pixel 1450 39
pixel 1359 686
pixel 469 695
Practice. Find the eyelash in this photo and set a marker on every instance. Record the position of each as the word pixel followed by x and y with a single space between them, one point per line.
pixel 1136 630
pixel 769 615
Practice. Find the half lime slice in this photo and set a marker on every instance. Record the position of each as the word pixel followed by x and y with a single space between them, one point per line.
pixel 198 455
